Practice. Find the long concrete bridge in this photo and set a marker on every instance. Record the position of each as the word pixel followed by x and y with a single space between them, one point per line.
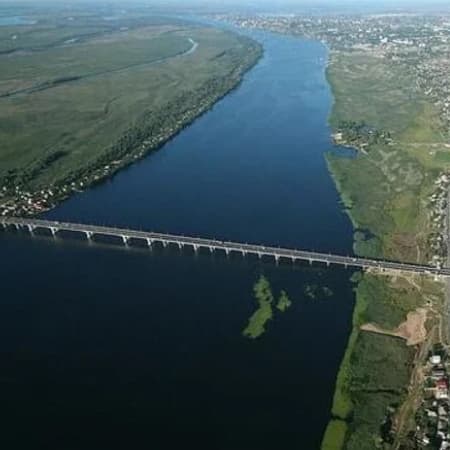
pixel 212 245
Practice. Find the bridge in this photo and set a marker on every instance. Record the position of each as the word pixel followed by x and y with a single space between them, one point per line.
pixel 213 245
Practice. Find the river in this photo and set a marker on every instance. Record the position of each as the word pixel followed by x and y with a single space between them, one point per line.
pixel 107 347
pixel 15 20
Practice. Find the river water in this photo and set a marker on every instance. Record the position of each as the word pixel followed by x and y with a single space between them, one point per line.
pixel 107 347
pixel 14 20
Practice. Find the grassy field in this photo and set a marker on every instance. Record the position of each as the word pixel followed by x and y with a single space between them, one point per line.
pixel 335 434
pixel 75 108
pixel 98 56
pixel 385 191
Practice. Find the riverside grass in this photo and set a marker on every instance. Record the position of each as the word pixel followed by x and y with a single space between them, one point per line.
pixel 335 435
pixel 384 191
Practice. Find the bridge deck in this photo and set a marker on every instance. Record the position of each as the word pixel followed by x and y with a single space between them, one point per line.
pixel 212 244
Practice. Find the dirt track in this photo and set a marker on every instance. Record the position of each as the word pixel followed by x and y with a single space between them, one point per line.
pixel 412 330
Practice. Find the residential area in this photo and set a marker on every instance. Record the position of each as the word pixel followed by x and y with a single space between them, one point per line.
pixel 432 418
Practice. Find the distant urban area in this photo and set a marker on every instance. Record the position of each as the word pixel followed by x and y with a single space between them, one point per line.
pixel 421 42
pixel 415 44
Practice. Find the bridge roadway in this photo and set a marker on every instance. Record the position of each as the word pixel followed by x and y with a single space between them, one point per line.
pixel 197 243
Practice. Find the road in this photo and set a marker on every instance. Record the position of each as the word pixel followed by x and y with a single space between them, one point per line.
pixel 227 246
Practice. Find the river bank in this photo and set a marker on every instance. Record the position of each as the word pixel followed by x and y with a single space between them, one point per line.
pixel 143 140
pixel 389 105
pixel 386 191
pixel 79 149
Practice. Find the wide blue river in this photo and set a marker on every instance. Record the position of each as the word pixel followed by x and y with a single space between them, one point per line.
pixel 105 347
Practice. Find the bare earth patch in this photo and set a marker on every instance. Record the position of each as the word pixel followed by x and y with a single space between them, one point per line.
pixel 412 330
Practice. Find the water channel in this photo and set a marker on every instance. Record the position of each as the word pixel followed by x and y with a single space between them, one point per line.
pixel 107 347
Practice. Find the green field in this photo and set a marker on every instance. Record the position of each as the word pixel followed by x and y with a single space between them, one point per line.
pixel 385 190
pixel 73 113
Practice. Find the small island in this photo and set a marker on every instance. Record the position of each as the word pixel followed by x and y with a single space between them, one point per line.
pixel 264 297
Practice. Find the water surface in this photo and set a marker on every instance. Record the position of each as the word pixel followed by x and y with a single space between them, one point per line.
pixel 106 347
pixel 252 169
pixel 15 20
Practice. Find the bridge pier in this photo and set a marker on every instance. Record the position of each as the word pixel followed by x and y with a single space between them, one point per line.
pixel 90 231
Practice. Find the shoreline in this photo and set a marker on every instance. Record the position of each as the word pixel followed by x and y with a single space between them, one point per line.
pixel 337 428
pixel 360 407
pixel 44 199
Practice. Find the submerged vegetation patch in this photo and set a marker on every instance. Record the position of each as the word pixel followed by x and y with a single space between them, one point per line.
pixel 265 298
pixel 269 304
pixel 314 291
pixel 283 302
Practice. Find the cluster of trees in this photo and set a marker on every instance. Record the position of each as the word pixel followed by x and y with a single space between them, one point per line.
pixel 361 133
pixel 15 178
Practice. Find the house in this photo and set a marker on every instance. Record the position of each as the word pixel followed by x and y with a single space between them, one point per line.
pixel 441 389
pixel 435 360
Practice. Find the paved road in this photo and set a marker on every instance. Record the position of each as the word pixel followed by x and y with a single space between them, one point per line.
pixel 227 246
